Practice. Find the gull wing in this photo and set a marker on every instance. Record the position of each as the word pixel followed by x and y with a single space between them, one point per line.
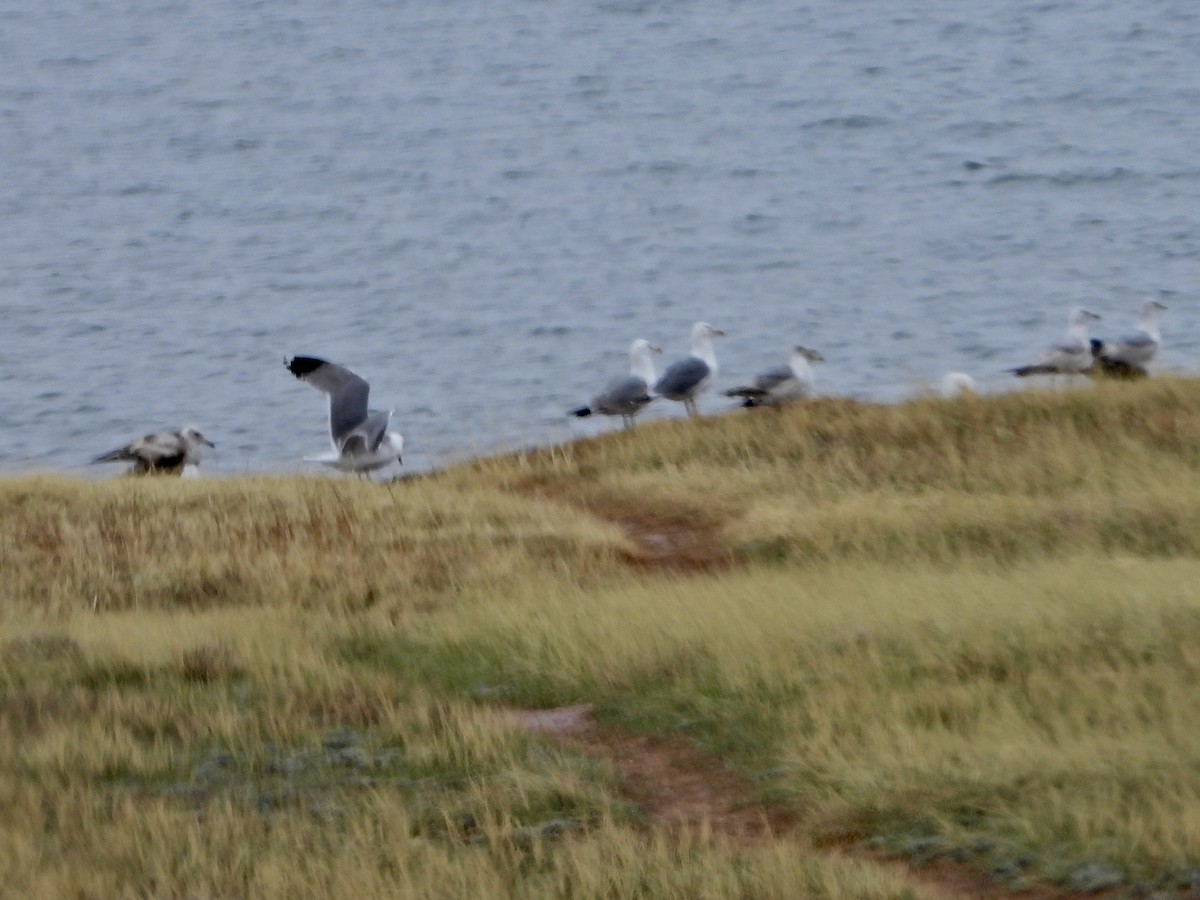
pixel 367 437
pixel 682 378
pixel 347 393
pixel 622 396
pixel 159 449
pixel 1066 358
pixel 773 379
pixel 1135 349
pixel 764 383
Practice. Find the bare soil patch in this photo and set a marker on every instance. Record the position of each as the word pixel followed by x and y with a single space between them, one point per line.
pixel 672 545
pixel 669 541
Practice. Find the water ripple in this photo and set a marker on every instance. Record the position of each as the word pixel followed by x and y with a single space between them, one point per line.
pixel 479 207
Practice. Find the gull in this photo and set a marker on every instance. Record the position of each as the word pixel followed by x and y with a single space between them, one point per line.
pixel 626 396
pixel 361 440
pixel 1129 355
pixel 1070 357
pixel 686 379
pixel 958 384
pixel 161 453
pixel 781 383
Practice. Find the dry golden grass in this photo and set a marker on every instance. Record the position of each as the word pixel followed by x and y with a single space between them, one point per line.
pixel 300 542
pixel 950 627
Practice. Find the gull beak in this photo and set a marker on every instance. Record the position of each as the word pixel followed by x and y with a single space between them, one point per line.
pixel 205 440
pixel 717 332
pixel 654 348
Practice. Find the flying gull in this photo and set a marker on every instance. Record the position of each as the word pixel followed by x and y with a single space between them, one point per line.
pixel 361 440
pixel 626 396
pixel 1070 357
pixel 1128 356
pixel 686 379
pixel 161 453
pixel 781 383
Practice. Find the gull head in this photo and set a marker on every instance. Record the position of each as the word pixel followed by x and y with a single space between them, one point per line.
pixel 704 330
pixel 811 355
pixel 193 435
pixel 193 440
pixel 641 347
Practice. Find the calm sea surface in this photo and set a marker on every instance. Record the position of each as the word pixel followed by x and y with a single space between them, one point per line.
pixel 477 205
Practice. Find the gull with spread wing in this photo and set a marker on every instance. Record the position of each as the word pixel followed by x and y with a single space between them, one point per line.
pixel 360 436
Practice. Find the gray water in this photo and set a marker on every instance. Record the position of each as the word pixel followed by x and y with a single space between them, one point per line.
pixel 477 205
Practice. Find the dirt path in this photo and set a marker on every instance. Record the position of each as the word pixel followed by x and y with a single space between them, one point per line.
pixel 665 541
pixel 675 785
pixel 679 788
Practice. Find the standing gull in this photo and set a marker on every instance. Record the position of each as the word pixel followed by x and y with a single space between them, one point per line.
pixel 782 383
pixel 626 396
pixel 1070 357
pixel 1128 356
pixel 161 453
pixel 361 440
pixel 686 379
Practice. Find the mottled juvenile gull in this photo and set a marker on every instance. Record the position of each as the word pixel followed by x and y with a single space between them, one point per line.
pixel 626 396
pixel 781 383
pixel 161 453
pixel 1070 357
pixel 1129 355
pixel 361 440
pixel 689 377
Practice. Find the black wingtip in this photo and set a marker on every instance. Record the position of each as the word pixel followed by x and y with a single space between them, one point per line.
pixel 1097 347
pixel 582 411
pixel 303 365
pixel 1026 371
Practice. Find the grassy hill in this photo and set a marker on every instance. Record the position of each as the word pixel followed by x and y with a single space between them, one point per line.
pixel 960 633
